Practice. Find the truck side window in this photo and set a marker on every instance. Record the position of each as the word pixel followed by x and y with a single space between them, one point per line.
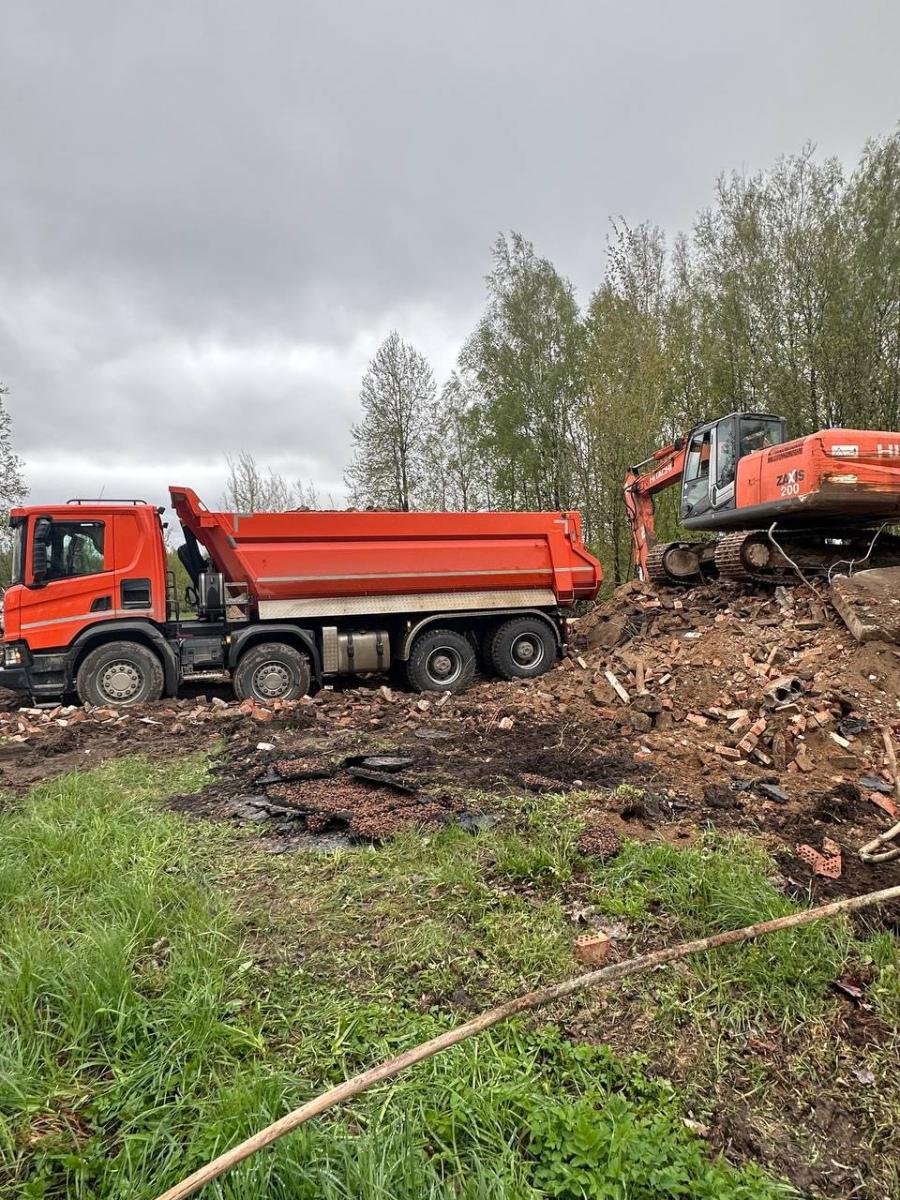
pixel 75 548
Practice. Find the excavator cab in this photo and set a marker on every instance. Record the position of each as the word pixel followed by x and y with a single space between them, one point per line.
pixel 712 453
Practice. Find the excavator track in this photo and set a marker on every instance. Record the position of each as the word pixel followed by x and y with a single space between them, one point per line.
pixel 656 569
pixel 750 556
pixel 674 563
pixel 744 557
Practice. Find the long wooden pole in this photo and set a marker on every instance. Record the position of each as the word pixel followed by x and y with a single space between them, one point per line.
pixel 532 1000
pixel 872 851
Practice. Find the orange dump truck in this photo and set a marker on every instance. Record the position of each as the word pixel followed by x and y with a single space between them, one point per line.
pixel 281 601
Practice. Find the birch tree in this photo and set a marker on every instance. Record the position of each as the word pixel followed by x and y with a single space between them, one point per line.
pixel 12 487
pixel 252 488
pixel 12 480
pixel 453 469
pixel 526 358
pixel 397 397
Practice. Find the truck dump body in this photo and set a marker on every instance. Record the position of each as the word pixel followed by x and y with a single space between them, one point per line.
pixel 292 561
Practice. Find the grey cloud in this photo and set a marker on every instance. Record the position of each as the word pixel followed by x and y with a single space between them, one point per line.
pixel 210 214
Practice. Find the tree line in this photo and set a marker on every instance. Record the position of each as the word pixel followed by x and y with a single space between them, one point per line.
pixel 784 297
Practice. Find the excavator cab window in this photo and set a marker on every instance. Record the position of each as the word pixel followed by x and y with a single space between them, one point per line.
pixel 695 488
pixel 726 452
pixel 734 437
pixel 757 433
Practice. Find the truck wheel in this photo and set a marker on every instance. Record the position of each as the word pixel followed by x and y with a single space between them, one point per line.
pixel 484 648
pixel 523 648
pixel 118 675
pixel 441 660
pixel 272 671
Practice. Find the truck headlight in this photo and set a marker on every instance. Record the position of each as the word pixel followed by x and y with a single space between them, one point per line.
pixel 13 656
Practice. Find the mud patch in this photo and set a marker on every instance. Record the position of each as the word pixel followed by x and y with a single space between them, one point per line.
pixel 339 779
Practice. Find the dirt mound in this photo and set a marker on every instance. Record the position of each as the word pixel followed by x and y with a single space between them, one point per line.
pixel 758 698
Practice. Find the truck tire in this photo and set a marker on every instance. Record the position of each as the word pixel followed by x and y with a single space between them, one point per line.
pixel 119 675
pixel 272 671
pixel 484 647
pixel 441 660
pixel 522 648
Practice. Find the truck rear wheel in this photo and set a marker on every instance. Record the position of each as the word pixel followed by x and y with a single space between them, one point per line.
pixel 522 648
pixel 272 671
pixel 441 660
pixel 118 675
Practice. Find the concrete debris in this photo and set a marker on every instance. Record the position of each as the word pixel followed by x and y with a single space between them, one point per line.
pixel 868 602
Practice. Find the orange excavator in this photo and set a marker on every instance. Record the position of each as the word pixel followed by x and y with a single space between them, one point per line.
pixel 776 505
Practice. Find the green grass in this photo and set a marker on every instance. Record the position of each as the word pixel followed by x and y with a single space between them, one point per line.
pixel 716 885
pixel 145 1028
pixel 487 915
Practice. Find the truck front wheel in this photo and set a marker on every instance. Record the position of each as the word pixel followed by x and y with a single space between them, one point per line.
pixel 118 675
pixel 441 660
pixel 272 671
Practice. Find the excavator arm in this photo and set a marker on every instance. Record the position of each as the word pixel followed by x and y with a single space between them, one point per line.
pixel 661 470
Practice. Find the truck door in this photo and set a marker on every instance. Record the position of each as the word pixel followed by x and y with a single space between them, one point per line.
pixel 140 575
pixel 68 578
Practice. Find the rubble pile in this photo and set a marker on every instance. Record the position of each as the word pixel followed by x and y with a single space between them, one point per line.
pixel 315 788
pixel 343 806
pixel 23 726
pixel 724 678
pixel 36 743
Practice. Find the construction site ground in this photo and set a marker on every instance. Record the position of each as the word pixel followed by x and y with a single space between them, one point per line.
pixel 426 857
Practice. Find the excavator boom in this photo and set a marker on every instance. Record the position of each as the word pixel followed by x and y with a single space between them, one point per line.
pixel 642 482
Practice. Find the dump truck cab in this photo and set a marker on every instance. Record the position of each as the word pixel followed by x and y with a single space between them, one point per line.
pixel 82 573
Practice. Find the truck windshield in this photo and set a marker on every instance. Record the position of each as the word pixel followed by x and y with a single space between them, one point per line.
pixel 17 566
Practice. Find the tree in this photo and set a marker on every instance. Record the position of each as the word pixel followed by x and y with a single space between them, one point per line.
pixel 12 481
pixel 12 485
pixel 525 356
pixel 250 488
pixel 306 496
pixel 627 372
pixel 452 452
pixel 397 398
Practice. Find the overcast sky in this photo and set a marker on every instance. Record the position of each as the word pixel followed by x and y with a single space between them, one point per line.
pixel 212 213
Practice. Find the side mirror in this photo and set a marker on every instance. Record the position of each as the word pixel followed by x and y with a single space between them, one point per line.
pixel 39 557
